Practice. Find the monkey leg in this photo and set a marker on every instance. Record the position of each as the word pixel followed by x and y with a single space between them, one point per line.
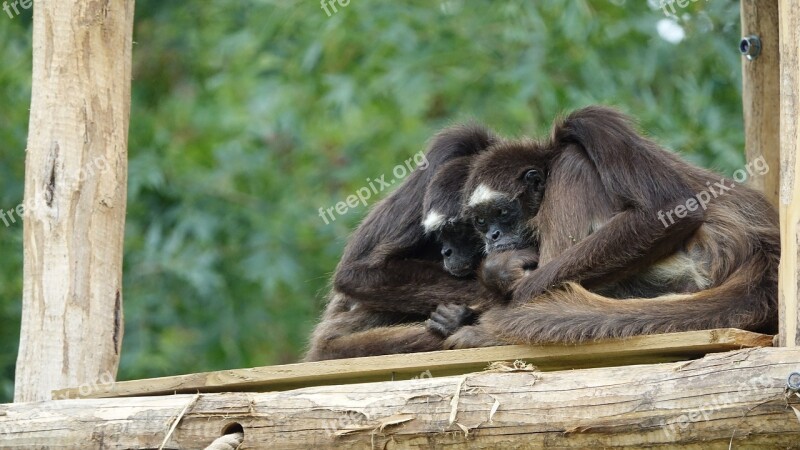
pixel 573 314
pixel 376 341
pixel 473 336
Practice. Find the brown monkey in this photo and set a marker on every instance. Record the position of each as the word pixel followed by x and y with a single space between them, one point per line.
pixel 391 277
pixel 632 239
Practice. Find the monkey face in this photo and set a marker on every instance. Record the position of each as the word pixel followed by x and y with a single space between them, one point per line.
pixel 462 248
pixel 502 219
pixel 504 191
pixel 501 225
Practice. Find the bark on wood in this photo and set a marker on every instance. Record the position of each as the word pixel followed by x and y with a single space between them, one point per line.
pixel 75 194
pixel 736 398
pixel 790 172
pixel 761 94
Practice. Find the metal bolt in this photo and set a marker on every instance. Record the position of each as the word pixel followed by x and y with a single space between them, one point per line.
pixel 750 47
pixel 793 382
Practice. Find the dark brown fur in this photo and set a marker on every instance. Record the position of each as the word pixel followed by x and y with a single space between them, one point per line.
pixel 391 277
pixel 608 265
pixel 462 247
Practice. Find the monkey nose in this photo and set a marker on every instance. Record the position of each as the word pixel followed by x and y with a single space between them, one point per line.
pixel 496 235
pixel 447 252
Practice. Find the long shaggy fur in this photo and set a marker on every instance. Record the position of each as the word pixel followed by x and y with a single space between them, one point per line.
pixel 609 267
pixel 391 277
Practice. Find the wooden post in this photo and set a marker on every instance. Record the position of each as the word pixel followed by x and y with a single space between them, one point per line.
pixel 75 194
pixel 790 172
pixel 761 94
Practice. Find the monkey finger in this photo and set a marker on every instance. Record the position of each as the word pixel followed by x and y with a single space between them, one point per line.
pixel 448 310
pixel 436 327
pixel 438 317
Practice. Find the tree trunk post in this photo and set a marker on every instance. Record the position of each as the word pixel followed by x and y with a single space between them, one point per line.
pixel 75 195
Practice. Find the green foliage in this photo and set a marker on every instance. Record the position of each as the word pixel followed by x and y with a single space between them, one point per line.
pixel 249 116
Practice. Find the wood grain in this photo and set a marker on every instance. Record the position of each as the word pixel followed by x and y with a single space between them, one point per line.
pixel 761 95
pixel 726 400
pixel 636 350
pixel 790 169
pixel 75 195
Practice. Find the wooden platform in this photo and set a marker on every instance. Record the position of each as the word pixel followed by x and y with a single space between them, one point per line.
pixel 639 350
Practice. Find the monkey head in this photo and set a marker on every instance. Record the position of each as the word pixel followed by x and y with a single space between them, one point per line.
pixel 462 248
pixel 504 191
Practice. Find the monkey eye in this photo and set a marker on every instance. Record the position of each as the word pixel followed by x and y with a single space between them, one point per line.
pixel 532 176
pixel 503 212
pixel 480 221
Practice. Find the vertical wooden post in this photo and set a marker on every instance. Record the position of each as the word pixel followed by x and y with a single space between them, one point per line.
pixel 75 194
pixel 761 93
pixel 790 172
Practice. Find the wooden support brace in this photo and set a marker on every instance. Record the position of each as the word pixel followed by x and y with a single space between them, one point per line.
pixel 761 92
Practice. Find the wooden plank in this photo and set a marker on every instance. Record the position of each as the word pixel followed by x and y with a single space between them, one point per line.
pixel 790 170
pixel 636 350
pixel 726 400
pixel 761 94
pixel 75 195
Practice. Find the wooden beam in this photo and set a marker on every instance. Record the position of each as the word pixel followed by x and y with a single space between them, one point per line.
pixel 790 173
pixel 761 94
pixel 727 400
pixel 637 350
pixel 75 194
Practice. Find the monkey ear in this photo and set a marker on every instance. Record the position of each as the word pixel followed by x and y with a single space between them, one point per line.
pixel 532 177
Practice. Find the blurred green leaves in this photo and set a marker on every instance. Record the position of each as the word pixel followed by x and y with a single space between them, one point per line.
pixel 248 116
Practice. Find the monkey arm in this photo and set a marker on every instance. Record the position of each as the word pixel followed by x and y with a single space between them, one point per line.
pixel 410 286
pixel 500 270
pixel 631 240
pixel 637 177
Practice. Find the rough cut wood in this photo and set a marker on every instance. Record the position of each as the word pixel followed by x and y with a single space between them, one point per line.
pixel 735 398
pixel 790 172
pixel 761 94
pixel 637 350
pixel 75 194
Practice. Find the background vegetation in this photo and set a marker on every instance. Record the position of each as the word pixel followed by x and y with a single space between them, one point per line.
pixel 249 116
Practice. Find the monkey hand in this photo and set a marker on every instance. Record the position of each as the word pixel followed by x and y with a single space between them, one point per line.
pixel 534 284
pixel 472 336
pixel 501 270
pixel 450 317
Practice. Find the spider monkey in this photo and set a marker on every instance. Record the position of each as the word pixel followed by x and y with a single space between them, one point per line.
pixel 394 273
pixel 610 264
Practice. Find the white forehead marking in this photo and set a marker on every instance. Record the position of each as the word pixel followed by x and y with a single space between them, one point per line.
pixel 484 194
pixel 433 222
